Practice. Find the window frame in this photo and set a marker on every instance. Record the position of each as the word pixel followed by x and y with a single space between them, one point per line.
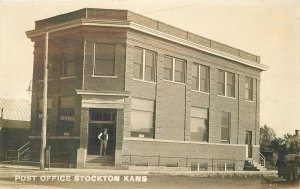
pixel 63 73
pixel 144 109
pixel 249 90
pixel 114 60
pixel 206 121
pixel 40 114
pixel 173 70
pixel 63 118
pixel 144 66
pixel 228 115
pixel 199 78
pixel 225 84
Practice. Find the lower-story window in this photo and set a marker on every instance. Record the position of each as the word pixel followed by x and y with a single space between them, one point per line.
pixel 66 115
pixel 225 127
pixel 199 124
pixel 40 115
pixel 142 118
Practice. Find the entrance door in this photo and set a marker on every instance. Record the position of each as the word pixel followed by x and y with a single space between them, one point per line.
pixel 249 142
pixel 99 120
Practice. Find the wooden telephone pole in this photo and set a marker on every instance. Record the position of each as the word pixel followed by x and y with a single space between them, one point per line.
pixel 45 96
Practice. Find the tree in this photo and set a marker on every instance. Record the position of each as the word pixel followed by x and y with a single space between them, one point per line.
pixel 267 135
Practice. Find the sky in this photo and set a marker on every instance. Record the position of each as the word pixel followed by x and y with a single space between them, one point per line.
pixel 268 28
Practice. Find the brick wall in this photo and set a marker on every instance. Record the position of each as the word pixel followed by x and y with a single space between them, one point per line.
pixel 180 151
pixel 173 101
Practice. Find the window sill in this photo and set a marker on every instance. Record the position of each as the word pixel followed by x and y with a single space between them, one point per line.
pixel 174 82
pixel 41 80
pixel 251 101
pixel 67 77
pixel 152 82
pixel 225 142
pixel 141 138
pixel 104 76
pixel 200 92
pixel 233 98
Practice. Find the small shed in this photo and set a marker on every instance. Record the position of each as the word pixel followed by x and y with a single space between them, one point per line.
pixel 14 124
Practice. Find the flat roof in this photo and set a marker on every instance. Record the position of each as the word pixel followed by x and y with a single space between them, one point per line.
pixel 128 19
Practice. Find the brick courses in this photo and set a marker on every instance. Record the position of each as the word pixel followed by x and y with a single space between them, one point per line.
pixel 173 101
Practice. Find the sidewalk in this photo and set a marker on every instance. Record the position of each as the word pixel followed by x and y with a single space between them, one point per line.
pixel 10 171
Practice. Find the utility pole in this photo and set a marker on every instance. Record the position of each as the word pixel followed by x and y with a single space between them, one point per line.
pixel 45 96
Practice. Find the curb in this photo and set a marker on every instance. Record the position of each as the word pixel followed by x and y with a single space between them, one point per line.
pixel 10 171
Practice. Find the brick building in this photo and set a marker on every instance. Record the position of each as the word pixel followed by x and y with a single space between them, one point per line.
pixel 159 90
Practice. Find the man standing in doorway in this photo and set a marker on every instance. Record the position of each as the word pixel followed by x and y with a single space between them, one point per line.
pixel 103 137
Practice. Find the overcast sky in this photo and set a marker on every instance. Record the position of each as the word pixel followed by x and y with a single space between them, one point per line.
pixel 268 28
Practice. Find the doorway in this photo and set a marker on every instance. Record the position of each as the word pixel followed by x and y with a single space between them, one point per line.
pixel 99 120
pixel 249 143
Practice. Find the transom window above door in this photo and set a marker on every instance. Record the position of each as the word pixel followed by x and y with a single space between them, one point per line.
pixel 102 115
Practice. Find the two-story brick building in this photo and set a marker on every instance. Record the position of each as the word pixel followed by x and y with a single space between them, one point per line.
pixel 159 90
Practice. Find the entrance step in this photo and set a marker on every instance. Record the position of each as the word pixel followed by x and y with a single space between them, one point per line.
pixel 100 160
pixel 251 165
pixel 37 164
pixel 23 163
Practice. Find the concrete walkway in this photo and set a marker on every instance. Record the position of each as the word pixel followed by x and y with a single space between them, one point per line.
pixel 10 171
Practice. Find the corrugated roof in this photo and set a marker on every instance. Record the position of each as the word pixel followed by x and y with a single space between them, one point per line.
pixel 12 109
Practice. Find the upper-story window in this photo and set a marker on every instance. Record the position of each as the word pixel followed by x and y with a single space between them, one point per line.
pixel 144 64
pixel 174 69
pixel 69 62
pixel 226 83
pixel 104 59
pixel 200 78
pixel 249 88
pixel 41 71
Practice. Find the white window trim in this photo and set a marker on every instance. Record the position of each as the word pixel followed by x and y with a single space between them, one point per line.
pixel 94 60
pixel 145 81
pixel 174 82
pixel 199 79
pixel 229 97
pixel 226 86
pixel 200 92
pixel 94 63
pixel 144 65
pixel 173 70
pixel 67 77
pixel 248 100
pixel 104 76
pixel 41 80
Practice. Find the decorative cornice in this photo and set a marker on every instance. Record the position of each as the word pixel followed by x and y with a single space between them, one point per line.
pixel 144 29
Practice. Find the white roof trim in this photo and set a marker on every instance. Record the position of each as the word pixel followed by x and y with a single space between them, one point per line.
pixel 153 32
